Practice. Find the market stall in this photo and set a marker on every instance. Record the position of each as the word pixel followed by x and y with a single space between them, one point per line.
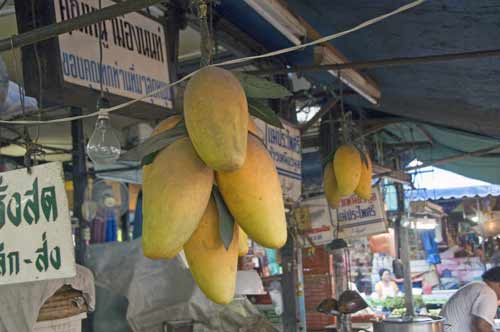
pixel 223 165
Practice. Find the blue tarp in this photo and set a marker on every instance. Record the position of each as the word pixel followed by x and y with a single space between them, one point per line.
pixel 434 194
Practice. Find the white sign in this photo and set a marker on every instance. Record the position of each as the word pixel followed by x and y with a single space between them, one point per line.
pixel 357 217
pixel 134 61
pixel 35 227
pixel 285 148
pixel 317 223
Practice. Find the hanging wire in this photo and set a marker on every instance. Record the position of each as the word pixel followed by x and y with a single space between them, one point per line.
pixel 3 4
pixel 101 31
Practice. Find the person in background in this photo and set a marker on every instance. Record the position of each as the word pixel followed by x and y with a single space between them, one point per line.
pixel 473 307
pixel 386 287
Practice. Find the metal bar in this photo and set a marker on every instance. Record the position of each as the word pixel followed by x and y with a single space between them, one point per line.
pixel 301 301
pixel 340 272
pixel 381 63
pixel 289 286
pixel 405 258
pixel 53 30
pixel 80 184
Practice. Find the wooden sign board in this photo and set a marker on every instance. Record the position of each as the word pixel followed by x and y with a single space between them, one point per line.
pixel 36 242
pixel 134 58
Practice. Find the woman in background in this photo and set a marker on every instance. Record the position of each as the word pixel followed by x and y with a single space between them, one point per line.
pixel 386 287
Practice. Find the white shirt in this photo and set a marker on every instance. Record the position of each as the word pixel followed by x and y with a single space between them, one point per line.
pixel 474 299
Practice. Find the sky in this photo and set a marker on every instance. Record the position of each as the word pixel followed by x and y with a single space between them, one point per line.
pixel 436 178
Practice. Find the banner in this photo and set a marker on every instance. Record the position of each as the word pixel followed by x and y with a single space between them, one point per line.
pixel 35 226
pixel 358 217
pixel 354 218
pixel 134 61
pixel 284 145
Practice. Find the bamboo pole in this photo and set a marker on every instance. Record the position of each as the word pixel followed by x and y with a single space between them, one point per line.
pixel 56 29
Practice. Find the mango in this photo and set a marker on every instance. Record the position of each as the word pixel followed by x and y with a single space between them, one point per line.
pixel 212 266
pixel 176 189
pixel 216 115
pixel 254 198
pixel 243 242
pixel 347 168
pixel 330 186
pixel 252 127
pixel 364 188
pixel 167 124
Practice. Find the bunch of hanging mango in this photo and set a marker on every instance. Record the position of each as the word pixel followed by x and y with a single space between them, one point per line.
pixel 349 172
pixel 220 167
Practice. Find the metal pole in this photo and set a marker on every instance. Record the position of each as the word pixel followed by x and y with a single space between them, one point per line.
pixel 53 30
pixel 344 323
pixel 301 302
pixel 405 257
pixel 79 184
pixel 288 286
pixel 381 63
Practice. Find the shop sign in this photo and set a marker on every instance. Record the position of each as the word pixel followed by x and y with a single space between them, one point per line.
pixel 355 217
pixel 35 228
pixel 315 222
pixel 134 61
pixel 358 217
pixel 284 145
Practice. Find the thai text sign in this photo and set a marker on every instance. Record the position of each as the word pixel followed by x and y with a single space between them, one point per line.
pixel 285 148
pixel 354 218
pixel 315 221
pixel 35 228
pixel 134 61
pixel 358 217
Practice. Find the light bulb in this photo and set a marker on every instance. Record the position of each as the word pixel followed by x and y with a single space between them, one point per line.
pixel 103 146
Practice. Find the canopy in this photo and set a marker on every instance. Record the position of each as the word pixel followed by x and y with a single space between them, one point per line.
pixel 460 95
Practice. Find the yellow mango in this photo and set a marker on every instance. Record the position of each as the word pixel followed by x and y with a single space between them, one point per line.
pixel 364 188
pixel 176 189
pixel 212 266
pixel 254 198
pixel 330 186
pixel 252 127
pixel 216 115
pixel 243 242
pixel 167 124
pixel 347 168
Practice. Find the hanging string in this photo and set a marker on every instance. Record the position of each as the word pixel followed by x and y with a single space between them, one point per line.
pixel 206 45
pixel 101 100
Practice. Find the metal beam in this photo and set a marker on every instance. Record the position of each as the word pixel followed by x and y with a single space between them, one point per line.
pixel 56 29
pixel 381 63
